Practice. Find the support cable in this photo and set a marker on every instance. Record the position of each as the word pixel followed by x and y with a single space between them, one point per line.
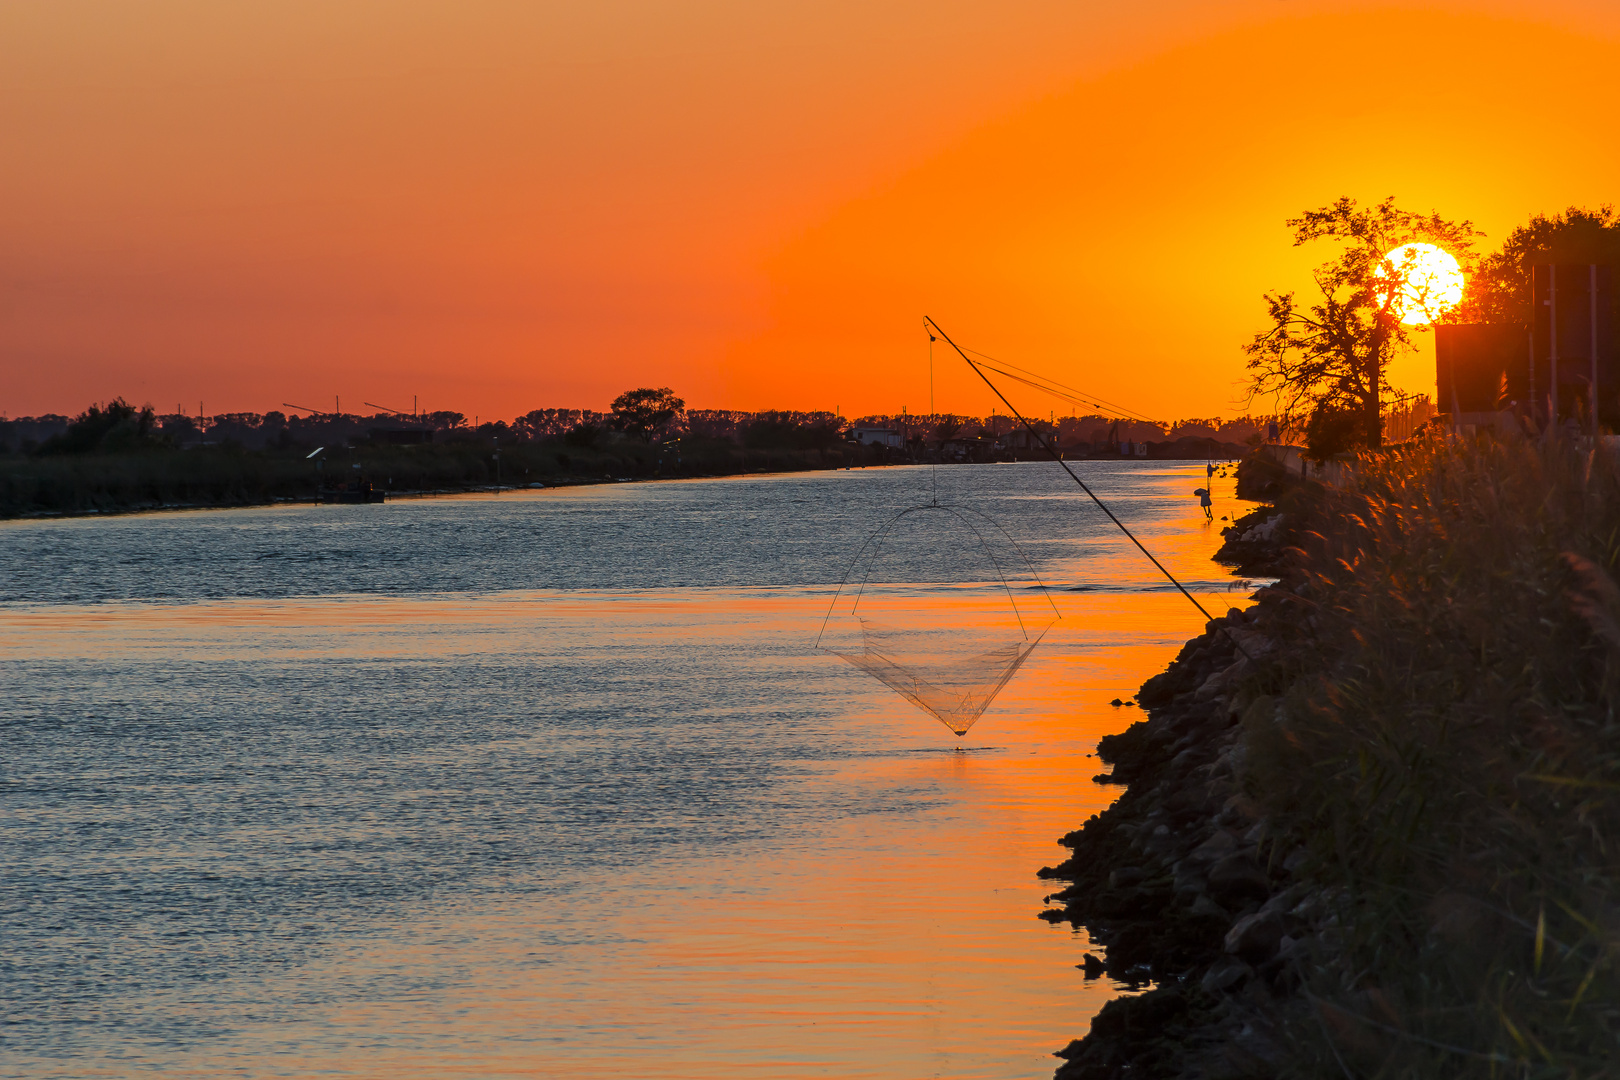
pixel 1083 487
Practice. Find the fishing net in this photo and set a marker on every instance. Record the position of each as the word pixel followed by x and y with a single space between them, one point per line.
pixel 941 607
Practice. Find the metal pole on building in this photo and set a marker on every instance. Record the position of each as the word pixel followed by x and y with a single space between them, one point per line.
pixel 1532 336
pixel 1592 296
pixel 1552 342
pixel 1456 406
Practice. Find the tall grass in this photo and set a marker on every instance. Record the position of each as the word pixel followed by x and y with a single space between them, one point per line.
pixel 1441 751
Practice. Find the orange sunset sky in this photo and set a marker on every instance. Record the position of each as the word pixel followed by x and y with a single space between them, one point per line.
pixel 501 205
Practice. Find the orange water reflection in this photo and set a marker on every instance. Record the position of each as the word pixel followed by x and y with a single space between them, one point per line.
pixel 890 930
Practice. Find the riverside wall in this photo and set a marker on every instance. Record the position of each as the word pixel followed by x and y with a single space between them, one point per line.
pixel 1369 823
pixel 1191 900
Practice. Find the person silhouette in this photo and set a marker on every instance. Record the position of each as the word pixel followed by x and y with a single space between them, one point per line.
pixel 1206 502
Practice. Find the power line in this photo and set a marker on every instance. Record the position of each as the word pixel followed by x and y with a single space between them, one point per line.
pixel 1046 385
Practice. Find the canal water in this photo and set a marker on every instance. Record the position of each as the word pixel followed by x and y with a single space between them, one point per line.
pixel 553 783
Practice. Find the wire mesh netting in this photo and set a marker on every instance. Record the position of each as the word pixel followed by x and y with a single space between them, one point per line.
pixel 940 606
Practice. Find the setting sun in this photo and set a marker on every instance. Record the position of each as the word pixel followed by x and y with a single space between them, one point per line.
pixel 1431 282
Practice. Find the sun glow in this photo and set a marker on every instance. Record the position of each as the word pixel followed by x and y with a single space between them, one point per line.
pixel 1431 282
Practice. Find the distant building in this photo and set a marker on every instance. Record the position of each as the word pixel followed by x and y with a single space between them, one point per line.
pixel 1023 439
pixel 1481 368
pixel 878 436
pixel 1488 375
pixel 401 436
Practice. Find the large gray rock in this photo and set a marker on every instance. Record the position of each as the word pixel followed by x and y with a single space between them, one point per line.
pixel 1221 844
pixel 1255 938
pixel 1225 975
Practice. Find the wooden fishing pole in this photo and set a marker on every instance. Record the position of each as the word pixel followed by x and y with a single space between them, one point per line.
pixel 1075 477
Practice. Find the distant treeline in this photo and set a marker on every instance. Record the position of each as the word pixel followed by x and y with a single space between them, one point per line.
pixel 49 433
pixel 117 425
pixel 116 456
pixel 1091 430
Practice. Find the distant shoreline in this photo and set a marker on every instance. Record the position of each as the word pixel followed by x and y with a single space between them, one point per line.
pixel 51 488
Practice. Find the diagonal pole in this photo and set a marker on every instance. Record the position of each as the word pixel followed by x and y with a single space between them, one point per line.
pixel 1075 477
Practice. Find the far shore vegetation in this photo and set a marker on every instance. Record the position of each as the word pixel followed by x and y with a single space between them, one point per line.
pixel 115 456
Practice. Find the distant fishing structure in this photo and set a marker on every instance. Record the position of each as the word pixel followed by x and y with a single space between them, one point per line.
pixel 952 660
pixel 949 660
pixel 978 368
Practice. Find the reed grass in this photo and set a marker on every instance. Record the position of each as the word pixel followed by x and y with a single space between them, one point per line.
pixel 1439 749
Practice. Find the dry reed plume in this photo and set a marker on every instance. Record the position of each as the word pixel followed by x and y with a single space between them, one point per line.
pixel 1440 745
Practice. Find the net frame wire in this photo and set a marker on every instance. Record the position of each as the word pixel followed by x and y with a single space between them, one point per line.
pixel 906 682
pixel 978 369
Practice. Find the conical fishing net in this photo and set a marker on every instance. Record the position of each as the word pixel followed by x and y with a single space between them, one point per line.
pixel 942 608
pixel 953 687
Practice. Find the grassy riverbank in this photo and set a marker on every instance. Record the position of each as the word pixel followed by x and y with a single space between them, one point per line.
pixel 1444 746
pixel 152 478
pixel 1383 843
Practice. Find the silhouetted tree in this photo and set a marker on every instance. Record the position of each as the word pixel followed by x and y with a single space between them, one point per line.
pixel 646 413
pixel 582 435
pixel 1499 292
pixel 790 431
pixel 117 425
pixel 1333 429
pixel 1332 353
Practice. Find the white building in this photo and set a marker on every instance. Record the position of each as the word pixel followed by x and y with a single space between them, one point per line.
pixel 878 436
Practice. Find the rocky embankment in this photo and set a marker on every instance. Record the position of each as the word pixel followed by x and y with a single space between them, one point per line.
pixel 1178 881
pixel 1369 823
